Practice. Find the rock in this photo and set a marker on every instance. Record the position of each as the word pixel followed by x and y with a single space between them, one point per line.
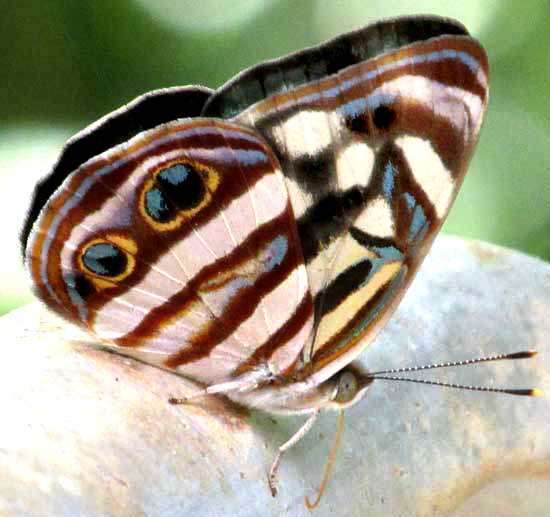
pixel 89 432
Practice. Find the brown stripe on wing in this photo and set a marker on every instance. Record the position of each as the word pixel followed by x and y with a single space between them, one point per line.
pixel 404 184
pixel 410 117
pixel 237 310
pixel 431 59
pixel 283 335
pixel 328 58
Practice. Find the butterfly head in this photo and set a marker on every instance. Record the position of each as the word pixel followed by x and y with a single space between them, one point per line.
pixel 350 384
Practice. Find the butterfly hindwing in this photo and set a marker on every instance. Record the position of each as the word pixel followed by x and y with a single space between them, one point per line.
pixel 165 275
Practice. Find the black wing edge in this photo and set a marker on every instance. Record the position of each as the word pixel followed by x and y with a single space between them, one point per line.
pixel 313 63
pixel 145 112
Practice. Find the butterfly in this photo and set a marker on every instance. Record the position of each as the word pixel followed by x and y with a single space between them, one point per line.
pixel 257 237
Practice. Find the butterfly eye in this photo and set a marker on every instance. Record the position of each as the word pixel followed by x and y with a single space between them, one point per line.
pixel 348 387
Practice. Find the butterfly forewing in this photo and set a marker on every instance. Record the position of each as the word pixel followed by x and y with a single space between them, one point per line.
pixel 373 157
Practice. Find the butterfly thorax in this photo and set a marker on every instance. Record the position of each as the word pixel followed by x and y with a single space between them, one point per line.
pixel 343 389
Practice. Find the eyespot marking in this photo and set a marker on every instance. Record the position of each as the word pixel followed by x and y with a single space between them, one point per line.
pixel 175 192
pixel 183 184
pixel 104 259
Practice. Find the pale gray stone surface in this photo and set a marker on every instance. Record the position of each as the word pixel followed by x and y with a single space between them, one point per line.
pixel 88 432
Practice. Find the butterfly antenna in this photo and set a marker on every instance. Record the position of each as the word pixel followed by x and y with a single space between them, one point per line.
pixel 330 463
pixel 525 354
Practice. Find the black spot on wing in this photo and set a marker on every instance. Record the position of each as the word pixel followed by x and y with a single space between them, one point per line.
pixel 383 117
pixel 183 184
pixel 314 174
pixel 340 287
pixel 327 220
pixel 105 259
pixel 369 241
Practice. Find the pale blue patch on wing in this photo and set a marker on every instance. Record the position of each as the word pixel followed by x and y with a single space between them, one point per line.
pixel 353 108
pixel 277 251
pixel 412 61
pixel 386 255
pixel 76 298
pixel 236 284
pixel 419 226
pixel 388 181
pixel 249 157
pixel 363 105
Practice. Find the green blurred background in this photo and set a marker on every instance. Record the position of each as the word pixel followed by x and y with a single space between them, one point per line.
pixel 65 63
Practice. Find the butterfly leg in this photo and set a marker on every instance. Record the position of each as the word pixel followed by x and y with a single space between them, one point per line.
pixel 225 387
pixel 296 437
